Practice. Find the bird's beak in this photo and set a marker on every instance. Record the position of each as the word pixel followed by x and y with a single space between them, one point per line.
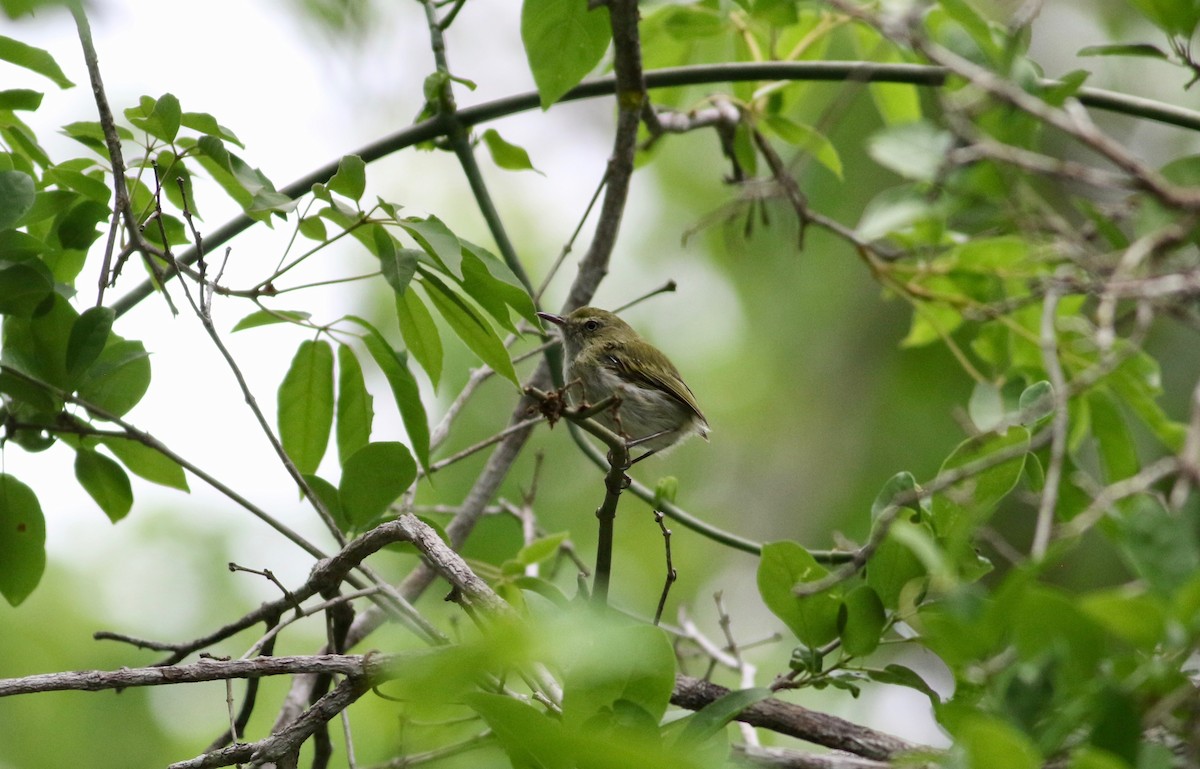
pixel 557 320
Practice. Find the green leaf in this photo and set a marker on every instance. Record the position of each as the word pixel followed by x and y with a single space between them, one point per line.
pixel 22 540
pixel 902 483
pixel 146 462
pixel 529 737
pixel 33 59
pixel 490 282
pixel 898 675
pixel 373 478
pixel 119 378
pixel 1036 403
pixel 1175 17
pixel 24 287
pixel 783 566
pixel 398 265
pixel 436 239
pixel 1130 613
pixel 159 117
pixel 931 322
pixel 267 317
pixel 94 187
pixel 355 411
pixel 665 491
pixel 564 41
pixel 1128 49
pixel 959 507
pixel 404 389
pixel 89 336
pixel 1114 441
pixel 1159 546
pixel 17 191
pixel 914 150
pixel 313 228
pixel 105 481
pixel 350 180
pixel 20 99
pixel 632 663
pixel 327 494
pixel 991 742
pixel 809 139
pixel 207 124
pixel 506 155
pixel 420 333
pixel 861 621
pixel 541 549
pixel 90 134
pixel 306 405
pixel 475 332
pixel 895 563
pixel 712 718
pixel 896 103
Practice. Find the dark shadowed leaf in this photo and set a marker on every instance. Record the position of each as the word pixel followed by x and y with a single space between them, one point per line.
pixel 88 338
pixel 16 197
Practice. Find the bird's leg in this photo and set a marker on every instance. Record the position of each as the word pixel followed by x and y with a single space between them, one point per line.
pixel 649 453
pixel 645 438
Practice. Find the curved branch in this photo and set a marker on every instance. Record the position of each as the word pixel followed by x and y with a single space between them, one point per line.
pixel 442 125
pixel 796 721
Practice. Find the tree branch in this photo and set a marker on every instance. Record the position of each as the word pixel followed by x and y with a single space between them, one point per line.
pixel 817 71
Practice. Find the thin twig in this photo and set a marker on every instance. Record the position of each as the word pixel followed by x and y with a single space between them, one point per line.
pixel 671 573
pixel 1058 425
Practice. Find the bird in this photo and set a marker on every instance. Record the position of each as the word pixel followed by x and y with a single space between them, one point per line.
pixel 603 356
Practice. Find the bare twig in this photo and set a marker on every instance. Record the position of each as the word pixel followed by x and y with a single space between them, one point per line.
pixel 795 721
pixel 1058 424
pixel 671 573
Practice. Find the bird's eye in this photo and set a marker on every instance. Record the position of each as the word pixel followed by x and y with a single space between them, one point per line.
pixel 592 325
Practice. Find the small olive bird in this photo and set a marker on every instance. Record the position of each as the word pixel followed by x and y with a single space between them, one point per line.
pixel 605 356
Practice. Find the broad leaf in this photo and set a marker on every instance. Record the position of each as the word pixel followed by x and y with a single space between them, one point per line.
pixel 712 718
pixel 33 59
pixel 420 333
pixel 564 41
pixel 372 478
pixel 267 317
pixel 118 378
pixel 355 410
pixel 404 389
pixel 506 155
pixel 105 481
pixel 22 540
pixel 16 196
pixel 784 566
pixel 470 327
pixel 350 179
pixel 89 336
pixel 306 405
pixel 146 462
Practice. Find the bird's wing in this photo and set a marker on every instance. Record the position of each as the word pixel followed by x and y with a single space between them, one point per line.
pixel 657 371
